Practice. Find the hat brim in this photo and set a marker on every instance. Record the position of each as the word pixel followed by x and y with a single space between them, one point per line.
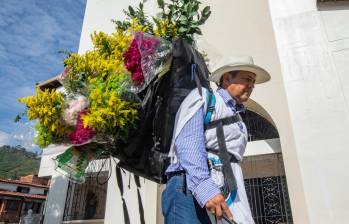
pixel 261 74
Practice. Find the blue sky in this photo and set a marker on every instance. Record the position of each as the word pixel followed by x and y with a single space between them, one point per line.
pixel 31 34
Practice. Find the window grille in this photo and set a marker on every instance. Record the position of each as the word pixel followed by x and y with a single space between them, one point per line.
pixel 86 201
pixel 266 189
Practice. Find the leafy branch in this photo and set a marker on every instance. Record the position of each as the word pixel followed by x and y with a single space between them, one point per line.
pixel 137 14
pixel 178 18
pixel 186 15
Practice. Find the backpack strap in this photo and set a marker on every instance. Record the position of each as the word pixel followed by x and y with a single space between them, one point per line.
pixel 224 121
pixel 223 153
pixel 211 102
pixel 194 76
pixel 225 157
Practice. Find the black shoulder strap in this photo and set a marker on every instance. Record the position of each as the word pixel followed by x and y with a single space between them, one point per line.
pixel 223 153
pixel 196 78
pixel 223 121
pixel 225 157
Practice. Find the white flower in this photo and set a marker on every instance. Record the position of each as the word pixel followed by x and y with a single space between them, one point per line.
pixel 75 105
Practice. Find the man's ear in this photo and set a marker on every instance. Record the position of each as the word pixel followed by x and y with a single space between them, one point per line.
pixel 225 80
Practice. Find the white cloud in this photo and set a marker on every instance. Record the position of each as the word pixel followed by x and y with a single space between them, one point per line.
pixel 24 135
pixel 4 138
pixel 32 32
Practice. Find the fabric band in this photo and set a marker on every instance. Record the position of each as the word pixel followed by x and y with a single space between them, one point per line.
pixel 224 121
pixel 225 158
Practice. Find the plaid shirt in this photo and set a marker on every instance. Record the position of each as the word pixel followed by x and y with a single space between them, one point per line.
pixel 192 155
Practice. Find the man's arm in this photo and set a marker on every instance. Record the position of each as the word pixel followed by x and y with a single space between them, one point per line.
pixel 192 155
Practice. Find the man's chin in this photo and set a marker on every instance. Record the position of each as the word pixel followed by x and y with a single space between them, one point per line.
pixel 245 98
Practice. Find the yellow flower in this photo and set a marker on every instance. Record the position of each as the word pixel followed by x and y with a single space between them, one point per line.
pixel 46 106
pixel 108 112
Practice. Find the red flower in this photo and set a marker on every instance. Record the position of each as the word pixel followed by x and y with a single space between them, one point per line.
pixel 132 60
pixel 141 50
pixel 81 135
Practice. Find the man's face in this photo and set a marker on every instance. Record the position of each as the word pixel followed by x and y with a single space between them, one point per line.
pixel 240 85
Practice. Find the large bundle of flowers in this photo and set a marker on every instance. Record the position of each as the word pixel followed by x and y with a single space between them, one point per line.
pixel 99 101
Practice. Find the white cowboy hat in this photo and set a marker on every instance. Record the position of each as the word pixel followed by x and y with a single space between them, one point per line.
pixel 244 63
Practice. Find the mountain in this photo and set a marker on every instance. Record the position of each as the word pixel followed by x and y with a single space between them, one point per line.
pixel 16 162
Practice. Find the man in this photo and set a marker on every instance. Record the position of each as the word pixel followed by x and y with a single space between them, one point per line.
pixel 196 192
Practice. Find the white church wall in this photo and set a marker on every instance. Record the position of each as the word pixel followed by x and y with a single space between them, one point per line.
pixel 54 208
pixel 244 27
pixel 313 45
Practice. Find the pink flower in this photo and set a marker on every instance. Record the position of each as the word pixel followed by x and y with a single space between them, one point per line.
pixel 142 47
pixel 132 60
pixel 138 77
pixel 81 135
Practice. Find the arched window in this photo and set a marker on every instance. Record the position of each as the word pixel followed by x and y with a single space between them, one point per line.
pixel 258 128
pixel 264 174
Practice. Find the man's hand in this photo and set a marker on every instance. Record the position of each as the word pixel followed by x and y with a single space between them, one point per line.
pixel 218 207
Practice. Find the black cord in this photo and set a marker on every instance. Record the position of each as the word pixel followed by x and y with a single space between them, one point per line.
pixel 110 171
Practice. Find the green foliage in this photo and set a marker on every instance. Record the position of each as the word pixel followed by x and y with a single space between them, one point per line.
pixel 16 162
pixel 134 14
pixel 139 14
pixel 44 136
pixel 19 116
pixel 178 18
pixel 186 15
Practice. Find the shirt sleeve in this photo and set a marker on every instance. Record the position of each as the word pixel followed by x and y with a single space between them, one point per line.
pixel 192 155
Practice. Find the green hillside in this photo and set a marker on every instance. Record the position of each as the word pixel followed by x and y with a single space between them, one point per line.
pixel 16 162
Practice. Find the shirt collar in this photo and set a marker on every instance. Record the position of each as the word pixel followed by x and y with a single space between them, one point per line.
pixel 230 101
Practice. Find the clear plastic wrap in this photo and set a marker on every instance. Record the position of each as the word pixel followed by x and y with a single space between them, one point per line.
pixel 74 161
pixel 148 57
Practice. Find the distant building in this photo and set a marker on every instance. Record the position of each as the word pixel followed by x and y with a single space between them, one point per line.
pixel 18 196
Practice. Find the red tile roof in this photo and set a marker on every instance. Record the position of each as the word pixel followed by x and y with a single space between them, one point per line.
pixel 24 195
pixel 23 183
